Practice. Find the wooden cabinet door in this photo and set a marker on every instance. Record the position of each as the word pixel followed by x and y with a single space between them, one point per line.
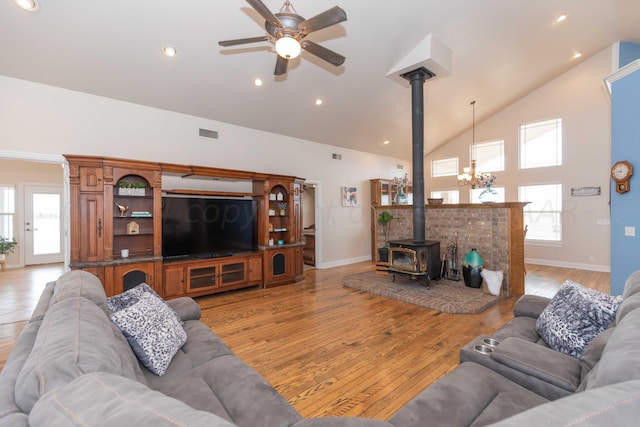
pixel 174 282
pixel 91 226
pixel 255 269
pixel 279 265
pixel 91 178
pixel 298 261
pixel 128 276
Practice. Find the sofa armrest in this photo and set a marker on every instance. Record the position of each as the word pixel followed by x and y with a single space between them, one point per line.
pixel 187 308
pixel 530 306
pixel 540 362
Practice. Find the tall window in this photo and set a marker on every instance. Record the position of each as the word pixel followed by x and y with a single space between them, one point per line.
pixel 489 156
pixel 541 144
pixel 448 196
pixel 444 167
pixel 543 215
pixel 7 211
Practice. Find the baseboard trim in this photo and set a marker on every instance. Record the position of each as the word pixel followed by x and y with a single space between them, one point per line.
pixel 341 262
pixel 578 266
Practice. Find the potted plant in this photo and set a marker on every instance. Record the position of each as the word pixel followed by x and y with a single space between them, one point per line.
pixel 282 206
pixel 131 188
pixel 6 246
pixel 384 219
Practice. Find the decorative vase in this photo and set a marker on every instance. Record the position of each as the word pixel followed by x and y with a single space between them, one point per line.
pixel 489 195
pixel 383 254
pixel 401 198
pixel 471 269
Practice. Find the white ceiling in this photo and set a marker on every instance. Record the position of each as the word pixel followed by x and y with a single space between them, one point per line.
pixel 502 50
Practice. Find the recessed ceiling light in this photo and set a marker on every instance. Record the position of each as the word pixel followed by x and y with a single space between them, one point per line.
pixel 258 82
pixel 169 51
pixel 318 101
pixel 30 5
pixel 386 142
pixel 561 18
pixel 577 55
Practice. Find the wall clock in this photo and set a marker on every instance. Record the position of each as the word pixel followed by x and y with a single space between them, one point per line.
pixel 621 173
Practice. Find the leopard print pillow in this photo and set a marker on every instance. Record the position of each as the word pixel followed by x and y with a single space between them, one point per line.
pixel 574 316
pixel 129 297
pixel 153 331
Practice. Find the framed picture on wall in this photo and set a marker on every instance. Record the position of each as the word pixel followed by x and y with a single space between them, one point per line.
pixel 349 196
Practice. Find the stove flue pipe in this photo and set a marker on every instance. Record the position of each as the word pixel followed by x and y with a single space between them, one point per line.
pixel 417 78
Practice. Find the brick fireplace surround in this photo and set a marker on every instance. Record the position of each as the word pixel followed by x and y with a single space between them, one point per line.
pixel 496 230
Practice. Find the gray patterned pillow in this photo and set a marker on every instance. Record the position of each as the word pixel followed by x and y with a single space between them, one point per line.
pixel 574 316
pixel 128 298
pixel 153 331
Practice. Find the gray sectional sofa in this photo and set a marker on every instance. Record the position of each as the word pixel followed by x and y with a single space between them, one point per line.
pixel 72 366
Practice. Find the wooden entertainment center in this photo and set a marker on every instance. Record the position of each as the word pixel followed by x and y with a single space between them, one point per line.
pixel 116 206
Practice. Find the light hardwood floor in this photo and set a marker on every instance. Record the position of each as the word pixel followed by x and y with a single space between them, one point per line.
pixel 329 350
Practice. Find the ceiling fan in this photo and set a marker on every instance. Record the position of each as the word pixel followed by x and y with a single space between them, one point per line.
pixel 288 30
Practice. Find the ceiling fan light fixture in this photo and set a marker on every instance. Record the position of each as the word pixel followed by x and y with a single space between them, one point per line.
pixel 169 51
pixel 288 47
pixel 30 5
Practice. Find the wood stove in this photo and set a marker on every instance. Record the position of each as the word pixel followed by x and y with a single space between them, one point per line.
pixel 418 260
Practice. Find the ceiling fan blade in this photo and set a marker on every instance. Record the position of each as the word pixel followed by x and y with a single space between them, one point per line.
pixel 281 66
pixel 265 13
pixel 322 20
pixel 227 43
pixel 322 52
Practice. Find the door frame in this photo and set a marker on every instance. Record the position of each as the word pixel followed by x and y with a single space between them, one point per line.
pixel 27 189
pixel 42 158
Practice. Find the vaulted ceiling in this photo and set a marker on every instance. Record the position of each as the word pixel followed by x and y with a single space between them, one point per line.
pixel 501 50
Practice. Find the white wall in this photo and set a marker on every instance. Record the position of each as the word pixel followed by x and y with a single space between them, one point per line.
pixel 580 99
pixel 45 120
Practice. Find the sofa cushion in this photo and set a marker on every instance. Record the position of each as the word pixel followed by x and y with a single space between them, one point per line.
pixel 105 400
pixel 593 353
pixel 202 345
pixel 12 367
pixel 469 395
pixel 619 361
pixel 153 331
pixel 79 283
pixel 75 337
pixel 227 386
pixel 574 316
pixel 627 305
pixel 614 405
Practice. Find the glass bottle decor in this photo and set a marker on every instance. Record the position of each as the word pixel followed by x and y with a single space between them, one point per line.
pixel 401 197
pixel 471 269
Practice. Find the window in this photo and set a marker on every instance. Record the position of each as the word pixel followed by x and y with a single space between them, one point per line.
pixel 448 196
pixel 7 211
pixel 475 194
pixel 543 215
pixel 444 167
pixel 489 156
pixel 541 144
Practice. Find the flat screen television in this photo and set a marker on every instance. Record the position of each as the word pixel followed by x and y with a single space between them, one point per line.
pixel 199 227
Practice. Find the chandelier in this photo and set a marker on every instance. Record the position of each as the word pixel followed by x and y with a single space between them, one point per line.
pixel 470 176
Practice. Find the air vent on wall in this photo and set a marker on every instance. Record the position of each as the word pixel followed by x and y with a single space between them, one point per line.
pixel 208 133
pixel 400 166
pixel 336 156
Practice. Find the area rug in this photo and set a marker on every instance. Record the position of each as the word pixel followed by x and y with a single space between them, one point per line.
pixel 447 296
